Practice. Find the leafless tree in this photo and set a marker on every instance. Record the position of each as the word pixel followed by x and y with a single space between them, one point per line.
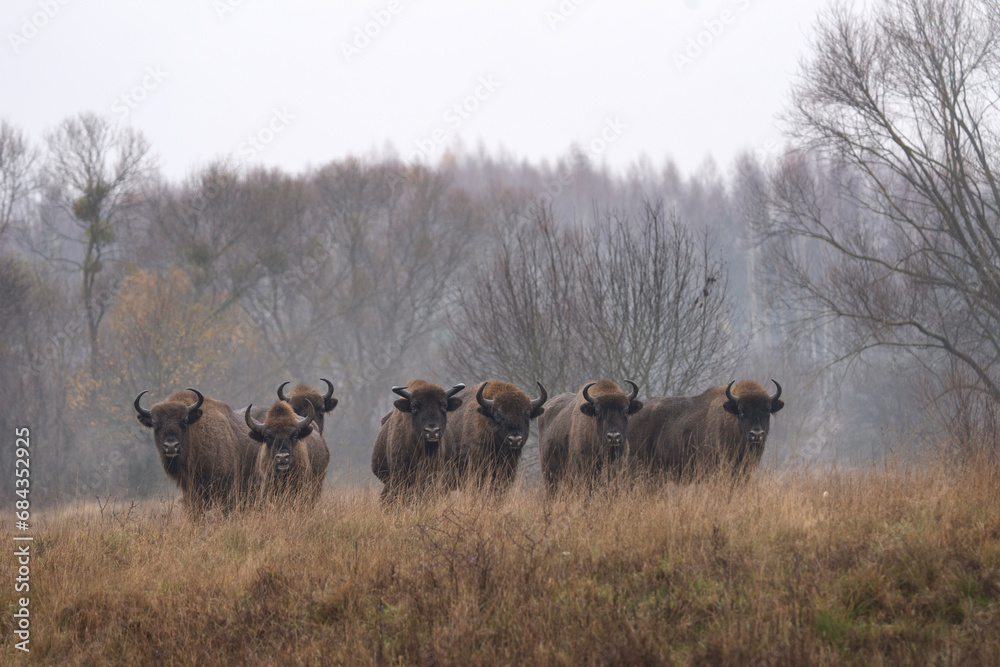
pixel 17 161
pixel 884 228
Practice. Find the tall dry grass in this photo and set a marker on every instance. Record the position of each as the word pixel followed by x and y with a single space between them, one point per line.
pixel 893 564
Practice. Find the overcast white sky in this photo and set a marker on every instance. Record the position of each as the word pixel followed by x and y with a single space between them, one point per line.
pixel 201 77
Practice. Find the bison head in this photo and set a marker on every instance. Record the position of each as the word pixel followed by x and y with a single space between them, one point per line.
pixel 611 408
pixel 753 408
pixel 281 431
pixel 510 413
pixel 302 394
pixel 169 420
pixel 428 405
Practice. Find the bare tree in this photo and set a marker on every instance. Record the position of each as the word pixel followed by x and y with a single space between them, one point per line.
pixel 17 160
pixel 632 296
pixel 95 173
pixel 886 230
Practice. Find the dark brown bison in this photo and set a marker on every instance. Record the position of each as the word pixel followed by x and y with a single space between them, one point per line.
pixel 203 449
pixel 303 393
pixel 293 457
pixel 582 436
pixel 723 428
pixel 485 438
pixel 408 449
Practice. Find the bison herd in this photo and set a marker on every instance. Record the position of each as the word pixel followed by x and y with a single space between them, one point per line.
pixel 438 439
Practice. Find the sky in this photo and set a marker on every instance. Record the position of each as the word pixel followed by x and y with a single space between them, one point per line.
pixel 299 83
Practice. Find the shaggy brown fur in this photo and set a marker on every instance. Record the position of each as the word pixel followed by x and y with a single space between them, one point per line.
pixel 687 436
pixel 573 434
pixel 307 455
pixel 407 457
pixel 484 445
pixel 321 403
pixel 214 460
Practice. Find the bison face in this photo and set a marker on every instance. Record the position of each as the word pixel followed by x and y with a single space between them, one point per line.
pixel 611 413
pixel 753 412
pixel 169 421
pixel 280 434
pixel 511 415
pixel 428 406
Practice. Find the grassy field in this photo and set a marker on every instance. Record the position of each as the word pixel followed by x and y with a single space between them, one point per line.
pixel 895 564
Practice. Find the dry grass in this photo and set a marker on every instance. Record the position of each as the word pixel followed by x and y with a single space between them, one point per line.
pixel 897 564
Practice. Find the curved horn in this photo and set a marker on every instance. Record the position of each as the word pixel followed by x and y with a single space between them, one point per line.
pixel 281 391
pixel 485 402
pixel 586 392
pixel 777 395
pixel 401 390
pixel 729 394
pixel 454 390
pixel 138 408
pixel 635 390
pixel 254 425
pixel 310 416
pixel 197 404
pixel 329 388
pixel 542 397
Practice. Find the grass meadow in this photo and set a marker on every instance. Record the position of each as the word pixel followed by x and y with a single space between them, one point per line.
pixel 891 564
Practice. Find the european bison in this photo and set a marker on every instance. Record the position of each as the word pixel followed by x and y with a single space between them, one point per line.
pixel 203 449
pixel 484 440
pixel 723 428
pixel 303 393
pixel 582 436
pixel 407 454
pixel 292 461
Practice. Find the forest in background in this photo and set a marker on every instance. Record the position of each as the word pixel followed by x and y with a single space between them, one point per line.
pixel 857 264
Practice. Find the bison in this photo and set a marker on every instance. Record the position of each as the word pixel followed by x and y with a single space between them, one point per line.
pixel 407 455
pixel 582 436
pixel 203 449
pixel 724 428
pixel 484 444
pixel 293 457
pixel 303 393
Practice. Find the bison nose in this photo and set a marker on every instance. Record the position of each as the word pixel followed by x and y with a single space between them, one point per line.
pixel 432 433
pixel 614 438
pixel 171 448
pixel 756 434
pixel 515 441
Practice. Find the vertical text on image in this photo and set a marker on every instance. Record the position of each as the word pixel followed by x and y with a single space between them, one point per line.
pixel 22 543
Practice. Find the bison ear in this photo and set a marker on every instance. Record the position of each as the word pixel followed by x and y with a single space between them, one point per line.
pixel 454 404
pixel 731 407
pixel 194 415
pixel 329 404
pixel 588 409
pixel 776 405
pixel 537 412
pixel 145 420
pixel 402 404
pixel 254 435
pixel 304 432
pixel 484 412
pixel 633 407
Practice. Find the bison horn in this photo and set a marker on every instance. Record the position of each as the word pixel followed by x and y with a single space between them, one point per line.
pixel 254 425
pixel 586 392
pixel 729 394
pixel 540 401
pixel 329 390
pixel 485 402
pixel 310 416
pixel 281 391
pixel 777 394
pixel 197 404
pixel 401 390
pixel 635 390
pixel 138 408
pixel 454 390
